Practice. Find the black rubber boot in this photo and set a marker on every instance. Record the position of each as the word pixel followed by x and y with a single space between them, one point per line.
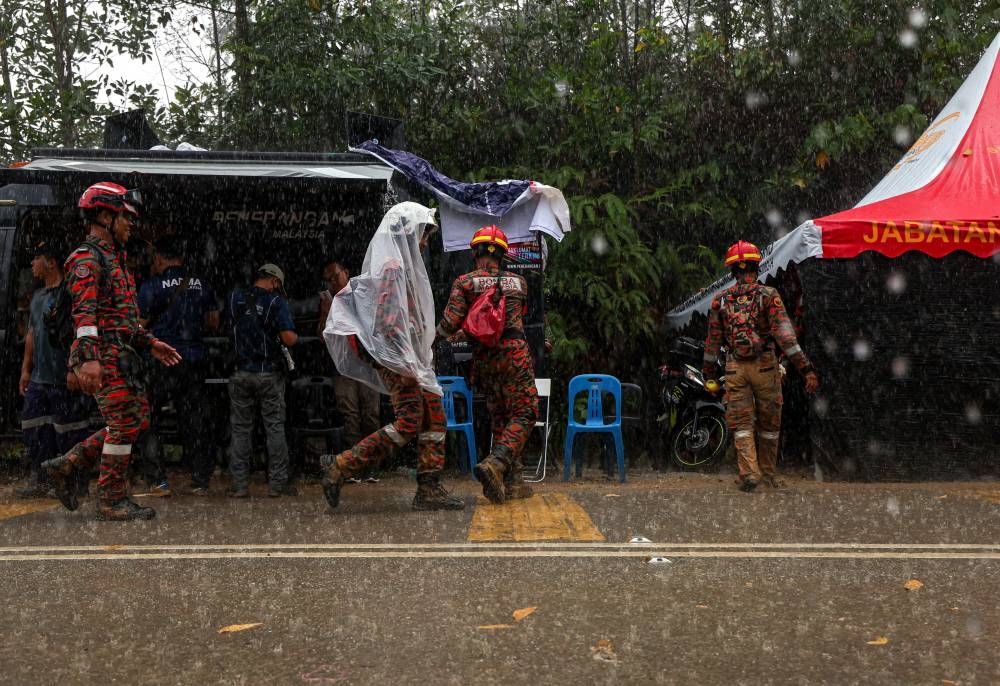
pixel 491 472
pixel 124 510
pixel 431 495
pixel 333 479
pixel 65 480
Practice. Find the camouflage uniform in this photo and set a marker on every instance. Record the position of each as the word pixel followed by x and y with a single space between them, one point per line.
pixel 505 374
pixel 419 413
pixel 106 319
pixel 753 384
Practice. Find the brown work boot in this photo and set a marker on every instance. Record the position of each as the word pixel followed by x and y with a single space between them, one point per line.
pixel 491 471
pixel 65 480
pixel 431 495
pixel 749 484
pixel 772 481
pixel 333 479
pixel 514 484
pixel 124 510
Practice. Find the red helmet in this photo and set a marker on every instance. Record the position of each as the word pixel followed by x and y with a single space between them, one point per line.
pixel 491 238
pixel 111 196
pixel 742 251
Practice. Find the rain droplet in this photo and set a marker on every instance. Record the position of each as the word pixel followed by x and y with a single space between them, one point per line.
pixel 830 345
pixel 562 89
pixel 902 135
pixel 755 99
pixel 793 57
pixel 895 283
pixel 917 18
pixel 973 414
pixel 892 505
pixel 908 38
pixel 774 217
pixel 821 406
pixel 862 350
pixel 900 367
pixel 599 244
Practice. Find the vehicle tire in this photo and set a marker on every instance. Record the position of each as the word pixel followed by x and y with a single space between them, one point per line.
pixel 691 450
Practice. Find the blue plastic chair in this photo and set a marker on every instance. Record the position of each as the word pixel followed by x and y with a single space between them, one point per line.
pixel 452 386
pixel 595 386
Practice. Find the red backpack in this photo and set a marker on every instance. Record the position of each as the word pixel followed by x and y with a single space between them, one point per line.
pixel 742 310
pixel 487 316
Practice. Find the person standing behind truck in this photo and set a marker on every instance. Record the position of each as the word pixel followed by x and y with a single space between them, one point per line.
pixel 102 356
pixel 262 327
pixel 178 307
pixel 54 418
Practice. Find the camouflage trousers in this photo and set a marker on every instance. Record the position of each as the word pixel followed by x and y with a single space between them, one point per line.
pixel 126 413
pixel 506 376
pixel 419 414
pixel 753 413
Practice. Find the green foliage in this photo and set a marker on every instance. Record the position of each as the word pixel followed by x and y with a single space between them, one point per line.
pixel 673 127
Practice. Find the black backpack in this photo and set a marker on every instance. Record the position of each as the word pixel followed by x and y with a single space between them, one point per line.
pixel 58 317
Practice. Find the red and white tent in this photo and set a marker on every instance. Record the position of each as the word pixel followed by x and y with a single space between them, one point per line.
pixel 943 195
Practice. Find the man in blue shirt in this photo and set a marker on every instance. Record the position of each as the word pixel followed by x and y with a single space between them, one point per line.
pixel 178 307
pixel 53 419
pixel 262 330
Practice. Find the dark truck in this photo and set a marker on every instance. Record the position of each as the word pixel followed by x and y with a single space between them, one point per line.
pixel 233 211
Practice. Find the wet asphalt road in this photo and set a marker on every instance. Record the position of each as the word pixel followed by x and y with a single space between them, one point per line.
pixel 377 594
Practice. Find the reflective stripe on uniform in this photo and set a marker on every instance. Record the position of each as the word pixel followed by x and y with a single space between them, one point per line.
pixel 431 437
pixel 117 448
pixel 394 434
pixel 72 426
pixel 794 350
pixel 85 331
pixel 35 421
pixel 742 434
pixel 768 435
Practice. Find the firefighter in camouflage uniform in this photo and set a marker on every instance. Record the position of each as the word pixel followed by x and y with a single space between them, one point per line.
pixel 103 356
pixel 380 332
pixel 505 374
pixel 749 318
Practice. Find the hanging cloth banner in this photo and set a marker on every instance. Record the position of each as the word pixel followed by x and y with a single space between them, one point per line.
pixel 518 207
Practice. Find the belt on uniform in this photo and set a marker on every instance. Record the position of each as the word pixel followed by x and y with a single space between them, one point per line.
pixel 122 338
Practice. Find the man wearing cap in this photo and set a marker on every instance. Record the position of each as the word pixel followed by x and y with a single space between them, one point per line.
pixel 53 418
pixel 178 307
pixel 262 330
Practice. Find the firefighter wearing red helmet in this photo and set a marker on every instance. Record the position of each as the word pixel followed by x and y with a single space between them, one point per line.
pixel 102 358
pixel 505 374
pixel 749 318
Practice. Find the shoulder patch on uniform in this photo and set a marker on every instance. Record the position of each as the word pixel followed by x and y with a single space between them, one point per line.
pixel 82 271
pixel 777 301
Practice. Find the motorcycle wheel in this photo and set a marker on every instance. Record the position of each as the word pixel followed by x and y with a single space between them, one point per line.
pixel 694 448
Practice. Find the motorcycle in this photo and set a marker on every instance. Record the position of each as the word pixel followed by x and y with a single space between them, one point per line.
pixel 692 419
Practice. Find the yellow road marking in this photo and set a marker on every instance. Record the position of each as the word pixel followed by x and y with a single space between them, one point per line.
pixel 544 517
pixel 9 510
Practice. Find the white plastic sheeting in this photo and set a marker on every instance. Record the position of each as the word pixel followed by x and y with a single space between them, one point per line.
pixel 389 306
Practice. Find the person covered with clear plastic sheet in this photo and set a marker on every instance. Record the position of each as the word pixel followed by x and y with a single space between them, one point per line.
pixel 380 331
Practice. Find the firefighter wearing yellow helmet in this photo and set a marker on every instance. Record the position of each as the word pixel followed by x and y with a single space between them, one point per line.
pixel 749 318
